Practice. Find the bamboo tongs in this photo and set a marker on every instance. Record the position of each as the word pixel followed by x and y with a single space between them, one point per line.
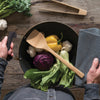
pixel 79 10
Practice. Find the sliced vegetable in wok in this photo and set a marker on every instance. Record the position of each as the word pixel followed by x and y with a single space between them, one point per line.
pixel 58 74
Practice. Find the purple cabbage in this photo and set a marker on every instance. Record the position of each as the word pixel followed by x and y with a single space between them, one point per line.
pixel 43 61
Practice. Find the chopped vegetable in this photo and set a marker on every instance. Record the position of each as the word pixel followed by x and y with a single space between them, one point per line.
pixel 59 74
pixel 44 79
pixel 52 42
pixel 67 74
pixel 43 61
pixel 31 51
pixel 66 46
pixel 8 7
pixel 3 24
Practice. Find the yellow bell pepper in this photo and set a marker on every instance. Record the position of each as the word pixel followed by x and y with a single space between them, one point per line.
pixel 52 42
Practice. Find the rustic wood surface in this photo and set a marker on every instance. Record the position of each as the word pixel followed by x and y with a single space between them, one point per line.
pixel 20 24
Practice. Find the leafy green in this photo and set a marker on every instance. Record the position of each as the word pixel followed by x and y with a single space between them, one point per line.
pixel 68 75
pixel 43 79
pixel 59 74
pixel 8 7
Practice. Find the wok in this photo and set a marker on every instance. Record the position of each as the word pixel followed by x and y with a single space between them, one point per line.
pixel 48 28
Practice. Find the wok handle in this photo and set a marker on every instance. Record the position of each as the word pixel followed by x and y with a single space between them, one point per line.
pixel 10 38
pixel 11 35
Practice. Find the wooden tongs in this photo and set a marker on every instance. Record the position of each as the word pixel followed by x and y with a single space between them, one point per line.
pixel 79 10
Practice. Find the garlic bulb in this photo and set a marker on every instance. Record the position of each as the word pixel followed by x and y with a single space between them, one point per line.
pixel 66 46
pixel 31 51
pixel 3 24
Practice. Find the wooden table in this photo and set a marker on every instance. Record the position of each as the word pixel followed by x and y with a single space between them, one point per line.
pixel 20 24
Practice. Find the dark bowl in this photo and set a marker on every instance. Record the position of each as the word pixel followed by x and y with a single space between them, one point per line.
pixel 48 28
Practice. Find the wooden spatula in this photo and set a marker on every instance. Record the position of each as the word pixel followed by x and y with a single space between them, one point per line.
pixel 36 39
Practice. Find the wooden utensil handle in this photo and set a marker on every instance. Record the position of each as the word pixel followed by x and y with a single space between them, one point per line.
pixel 69 65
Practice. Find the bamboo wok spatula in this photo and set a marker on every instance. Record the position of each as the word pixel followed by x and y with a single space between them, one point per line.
pixel 36 39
